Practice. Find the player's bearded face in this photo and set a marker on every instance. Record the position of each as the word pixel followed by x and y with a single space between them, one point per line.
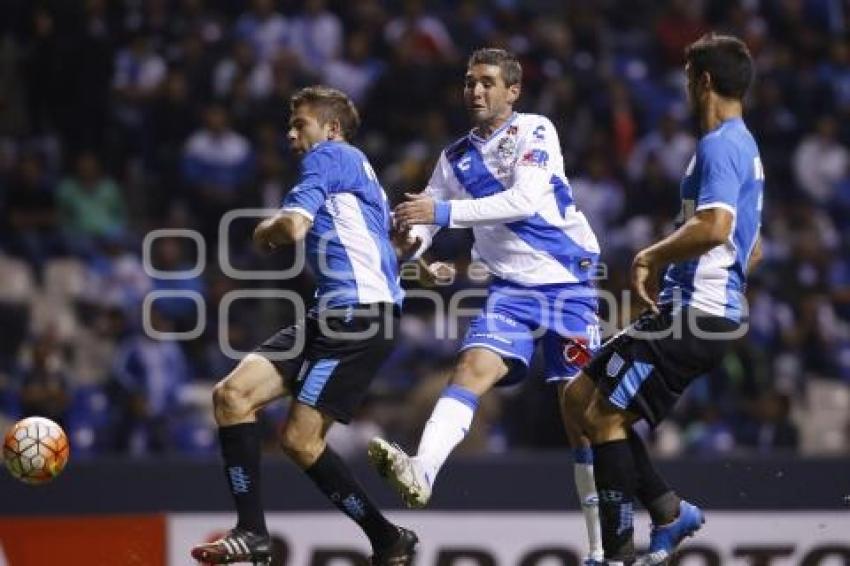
pixel 305 130
pixel 486 96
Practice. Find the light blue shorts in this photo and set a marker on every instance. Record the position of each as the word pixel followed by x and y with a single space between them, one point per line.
pixel 516 318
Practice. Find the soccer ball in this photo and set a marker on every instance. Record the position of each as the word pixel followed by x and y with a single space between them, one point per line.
pixel 35 450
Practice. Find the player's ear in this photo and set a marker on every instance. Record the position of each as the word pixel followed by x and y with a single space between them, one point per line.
pixel 705 81
pixel 334 129
pixel 513 92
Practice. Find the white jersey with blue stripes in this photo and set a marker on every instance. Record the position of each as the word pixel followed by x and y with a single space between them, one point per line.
pixel 510 188
pixel 726 172
pixel 348 246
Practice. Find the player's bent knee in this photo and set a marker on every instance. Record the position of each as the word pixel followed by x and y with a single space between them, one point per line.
pixel 232 395
pixel 231 403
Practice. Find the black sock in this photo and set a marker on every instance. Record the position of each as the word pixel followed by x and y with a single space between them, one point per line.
pixel 614 470
pixel 240 448
pixel 652 491
pixel 333 477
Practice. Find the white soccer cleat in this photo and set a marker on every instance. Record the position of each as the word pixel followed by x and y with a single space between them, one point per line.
pixel 402 472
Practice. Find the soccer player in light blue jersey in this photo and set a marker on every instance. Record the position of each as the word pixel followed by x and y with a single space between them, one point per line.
pixel 505 180
pixel 327 361
pixel 641 372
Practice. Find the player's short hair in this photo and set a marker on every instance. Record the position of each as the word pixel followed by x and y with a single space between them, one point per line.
pixel 726 59
pixel 505 60
pixel 329 104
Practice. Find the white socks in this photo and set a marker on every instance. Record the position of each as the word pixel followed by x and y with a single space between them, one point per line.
pixel 447 427
pixel 589 500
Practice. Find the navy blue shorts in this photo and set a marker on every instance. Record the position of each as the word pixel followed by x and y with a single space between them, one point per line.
pixel 645 368
pixel 328 361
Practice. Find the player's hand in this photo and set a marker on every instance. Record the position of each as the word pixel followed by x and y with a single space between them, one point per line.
pixel 419 209
pixel 404 243
pixel 264 236
pixel 645 279
pixel 437 273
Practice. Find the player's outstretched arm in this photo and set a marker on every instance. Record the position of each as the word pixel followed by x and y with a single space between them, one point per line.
pixel 282 228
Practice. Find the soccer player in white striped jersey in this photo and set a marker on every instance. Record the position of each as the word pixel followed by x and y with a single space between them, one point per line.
pixel 505 180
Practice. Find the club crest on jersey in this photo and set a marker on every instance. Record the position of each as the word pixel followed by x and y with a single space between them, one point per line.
pixel 536 157
pixel 538 132
pixel 506 149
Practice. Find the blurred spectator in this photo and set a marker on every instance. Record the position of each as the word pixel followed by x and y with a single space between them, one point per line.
pixel 150 373
pixel 671 146
pixel 316 36
pixel 681 24
pixel 427 36
pixel 172 120
pixel 357 71
pixel 169 255
pixel 770 426
pixel 117 278
pixel 264 28
pixel 32 214
pixel 598 194
pixel 820 161
pixel 139 72
pixel 90 203
pixel 217 164
pixel 243 64
pixel 44 383
pixel 43 74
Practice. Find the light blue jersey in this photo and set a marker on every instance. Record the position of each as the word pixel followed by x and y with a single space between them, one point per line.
pixel 348 246
pixel 726 172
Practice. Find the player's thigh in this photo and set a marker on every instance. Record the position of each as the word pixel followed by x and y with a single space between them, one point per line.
pixel 575 396
pixel 497 348
pixel 478 369
pixel 254 382
pixel 605 422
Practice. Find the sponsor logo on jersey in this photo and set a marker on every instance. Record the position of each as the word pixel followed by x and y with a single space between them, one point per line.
pixel 536 157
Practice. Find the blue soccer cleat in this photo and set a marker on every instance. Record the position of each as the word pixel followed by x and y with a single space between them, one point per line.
pixel 664 540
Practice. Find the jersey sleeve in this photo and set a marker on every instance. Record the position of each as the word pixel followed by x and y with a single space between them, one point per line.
pixel 441 188
pixel 720 181
pixel 313 186
pixel 537 151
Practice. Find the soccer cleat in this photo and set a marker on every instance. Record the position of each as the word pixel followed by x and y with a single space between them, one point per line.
pixel 664 540
pixel 238 545
pixel 592 562
pixel 401 552
pixel 402 472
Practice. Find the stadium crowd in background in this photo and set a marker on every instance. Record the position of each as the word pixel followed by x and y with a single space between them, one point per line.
pixel 118 118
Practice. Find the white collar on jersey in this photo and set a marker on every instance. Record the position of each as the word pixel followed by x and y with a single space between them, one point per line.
pixel 478 139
